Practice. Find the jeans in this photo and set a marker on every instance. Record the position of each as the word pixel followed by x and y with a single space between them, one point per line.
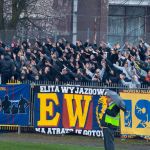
pixel 108 139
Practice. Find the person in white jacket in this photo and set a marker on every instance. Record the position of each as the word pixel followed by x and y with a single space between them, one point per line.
pixel 134 83
pixel 127 70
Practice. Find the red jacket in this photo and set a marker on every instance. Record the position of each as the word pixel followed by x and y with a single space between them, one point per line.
pixel 147 78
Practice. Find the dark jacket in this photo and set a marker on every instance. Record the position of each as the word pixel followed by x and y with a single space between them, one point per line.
pixel 6 66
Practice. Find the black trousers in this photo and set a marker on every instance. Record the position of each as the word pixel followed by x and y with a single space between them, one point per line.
pixel 108 139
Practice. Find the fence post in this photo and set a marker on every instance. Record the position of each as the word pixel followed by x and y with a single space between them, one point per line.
pixel 32 105
pixel 19 129
pixel 0 79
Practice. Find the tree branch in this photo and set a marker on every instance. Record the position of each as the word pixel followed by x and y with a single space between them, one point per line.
pixel 18 6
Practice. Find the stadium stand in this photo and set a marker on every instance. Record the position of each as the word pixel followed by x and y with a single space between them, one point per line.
pixel 128 65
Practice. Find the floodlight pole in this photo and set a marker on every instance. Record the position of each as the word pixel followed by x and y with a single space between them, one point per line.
pixel 74 21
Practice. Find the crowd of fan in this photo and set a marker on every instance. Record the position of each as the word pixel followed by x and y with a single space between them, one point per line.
pixel 84 62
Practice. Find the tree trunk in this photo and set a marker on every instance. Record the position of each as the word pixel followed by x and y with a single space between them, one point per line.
pixel 2 26
pixel 17 8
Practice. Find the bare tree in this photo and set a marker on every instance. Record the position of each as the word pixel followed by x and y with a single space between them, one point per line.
pixel 46 16
pixel 10 15
pixel 50 17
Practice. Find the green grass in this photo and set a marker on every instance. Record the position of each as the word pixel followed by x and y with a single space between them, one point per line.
pixel 38 146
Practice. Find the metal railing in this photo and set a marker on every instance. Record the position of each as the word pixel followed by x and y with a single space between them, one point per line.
pixel 111 37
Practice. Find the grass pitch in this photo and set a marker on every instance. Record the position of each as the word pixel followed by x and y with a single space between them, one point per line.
pixel 5 145
pixel 13 141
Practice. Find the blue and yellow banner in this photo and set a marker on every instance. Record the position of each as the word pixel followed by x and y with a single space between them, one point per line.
pixel 136 119
pixel 65 109
pixel 14 104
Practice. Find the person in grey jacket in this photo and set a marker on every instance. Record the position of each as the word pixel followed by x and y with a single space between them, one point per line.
pixel 125 69
pixel 134 83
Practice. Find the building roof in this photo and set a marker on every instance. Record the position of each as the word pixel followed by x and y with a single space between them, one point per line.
pixel 130 2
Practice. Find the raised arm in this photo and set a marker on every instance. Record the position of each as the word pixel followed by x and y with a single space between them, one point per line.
pixel 118 67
